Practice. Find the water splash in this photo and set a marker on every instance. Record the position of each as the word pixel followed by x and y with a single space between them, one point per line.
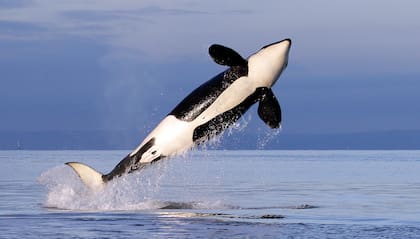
pixel 239 125
pixel 232 131
pixel 147 189
pixel 132 192
pixel 266 136
pixel 137 191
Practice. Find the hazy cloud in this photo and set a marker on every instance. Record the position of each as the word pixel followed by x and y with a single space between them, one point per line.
pixel 15 3
pixel 107 16
pixel 19 28
pixel 156 10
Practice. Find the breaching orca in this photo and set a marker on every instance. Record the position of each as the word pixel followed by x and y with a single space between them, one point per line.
pixel 208 110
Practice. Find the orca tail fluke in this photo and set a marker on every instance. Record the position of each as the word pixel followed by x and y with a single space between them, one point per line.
pixel 89 176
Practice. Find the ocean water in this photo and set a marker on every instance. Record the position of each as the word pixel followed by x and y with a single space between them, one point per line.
pixel 215 194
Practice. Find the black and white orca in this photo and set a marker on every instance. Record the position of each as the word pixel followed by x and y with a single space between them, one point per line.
pixel 208 110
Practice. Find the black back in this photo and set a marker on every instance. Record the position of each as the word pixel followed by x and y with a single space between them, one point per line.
pixel 202 97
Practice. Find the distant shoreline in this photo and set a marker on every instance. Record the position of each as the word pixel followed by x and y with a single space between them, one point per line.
pixel 241 140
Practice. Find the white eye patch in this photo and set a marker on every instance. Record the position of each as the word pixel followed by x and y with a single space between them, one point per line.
pixel 151 154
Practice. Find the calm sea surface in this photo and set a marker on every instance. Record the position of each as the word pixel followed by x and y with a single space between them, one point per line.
pixel 215 194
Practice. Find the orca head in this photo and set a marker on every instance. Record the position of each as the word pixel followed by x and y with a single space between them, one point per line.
pixel 266 65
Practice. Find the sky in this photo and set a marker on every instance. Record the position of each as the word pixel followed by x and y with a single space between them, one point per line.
pixel 122 65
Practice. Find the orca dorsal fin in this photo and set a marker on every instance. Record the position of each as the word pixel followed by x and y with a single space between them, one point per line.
pixel 226 56
pixel 269 108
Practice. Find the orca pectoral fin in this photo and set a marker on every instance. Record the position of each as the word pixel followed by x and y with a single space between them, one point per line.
pixel 225 56
pixel 89 176
pixel 269 109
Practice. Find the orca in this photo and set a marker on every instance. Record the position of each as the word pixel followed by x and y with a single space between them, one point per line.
pixel 208 110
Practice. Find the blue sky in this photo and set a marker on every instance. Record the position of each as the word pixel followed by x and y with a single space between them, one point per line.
pixel 97 64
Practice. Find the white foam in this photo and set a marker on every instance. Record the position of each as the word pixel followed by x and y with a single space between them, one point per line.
pixel 137 191
pixel 132 192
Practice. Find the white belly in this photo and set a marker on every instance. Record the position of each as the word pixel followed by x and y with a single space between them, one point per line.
pixel 173 136
pixel 237 92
